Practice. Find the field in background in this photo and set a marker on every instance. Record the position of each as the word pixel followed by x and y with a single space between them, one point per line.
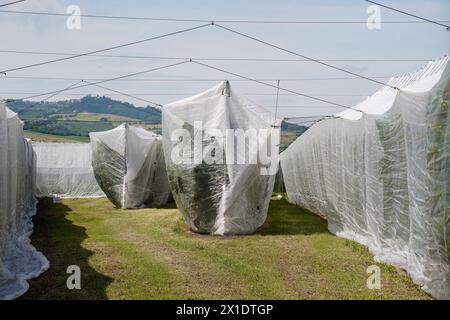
pixel 43 137
pixel 89 116
pixel 151 254
pixel 286 138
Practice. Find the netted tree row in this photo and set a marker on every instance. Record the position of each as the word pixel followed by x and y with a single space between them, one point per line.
pixel 219 187
pixel 129 166
pixel 382 178
pixel 19 260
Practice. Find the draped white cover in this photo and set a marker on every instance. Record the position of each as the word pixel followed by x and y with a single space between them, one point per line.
pixel 129 166
pixel 382 178
pixel 65 169
pixel 19 260
pixel 220 198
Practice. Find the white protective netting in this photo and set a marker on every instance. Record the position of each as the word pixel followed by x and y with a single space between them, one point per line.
pixel 65 169
pixel 382 178
pixel 129 166
pixel 226 194
pixel 19 260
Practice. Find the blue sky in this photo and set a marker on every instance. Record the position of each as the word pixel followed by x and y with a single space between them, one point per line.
pixel 321 41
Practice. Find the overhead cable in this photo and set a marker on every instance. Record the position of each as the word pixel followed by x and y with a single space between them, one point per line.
pixel 274 86
pixel 49 97
pixel 10 3
pixel 62 90
pixel 198 63
pixel 303 56
pixel 188 80
pixel 276 102
pixel 193 93
pixel 123 93
pixel 56 14
pixel 207 58
pixel 107 80
pixel 308 117
pixel 105 49
pixel 411 15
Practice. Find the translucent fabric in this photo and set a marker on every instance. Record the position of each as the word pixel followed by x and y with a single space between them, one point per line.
pixel 382 178
pixel 129 166
pixel 227 194
pixel 19 260
pixel 65 169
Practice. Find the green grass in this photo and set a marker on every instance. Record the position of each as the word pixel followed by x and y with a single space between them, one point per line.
pixel 151 254
pixel 38 136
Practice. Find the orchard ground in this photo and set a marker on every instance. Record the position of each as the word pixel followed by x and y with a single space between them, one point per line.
pixel 151 254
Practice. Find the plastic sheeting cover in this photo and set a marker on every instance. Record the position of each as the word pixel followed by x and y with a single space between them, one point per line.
pixel 129 166
pixel 65 169
pixel 19 260
pixel 226 196
pixel 382 178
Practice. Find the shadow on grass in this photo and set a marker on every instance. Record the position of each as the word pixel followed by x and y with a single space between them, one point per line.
pixel 285 218
pixel 61 242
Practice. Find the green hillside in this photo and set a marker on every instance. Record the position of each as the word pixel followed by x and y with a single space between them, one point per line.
pixel 28 110
pixel 67 127
pixel 81 116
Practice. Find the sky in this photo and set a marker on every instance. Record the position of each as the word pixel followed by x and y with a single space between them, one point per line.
pixel 419 42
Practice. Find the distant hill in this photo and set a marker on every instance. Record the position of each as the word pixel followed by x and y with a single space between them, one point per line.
pixel 292 127
pixel 289 133
pixel 29 110
pixel 78 117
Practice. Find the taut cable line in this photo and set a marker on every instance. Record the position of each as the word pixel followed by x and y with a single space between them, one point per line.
pixel 105 49
pixel 106 80
pixel 54 93
pixel 303 56
pixel 62 90
pixel 97 83
pixel 129 56
pixel 274 86
pixel 276 102
pixel 11 3
pixel 99 16
pixel 187 80
pixel 123 93
pixel 410 14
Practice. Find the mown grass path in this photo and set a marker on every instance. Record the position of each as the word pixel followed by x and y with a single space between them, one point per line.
pixel 150 254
